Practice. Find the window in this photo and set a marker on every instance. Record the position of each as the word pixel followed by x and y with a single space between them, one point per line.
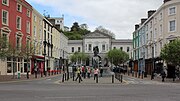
pixel 151 24
pixel 48 27
pixel 44 35
pixel 160 29
pixel 28 44
pixel 5 2
pixel 160 45
pixel 79 49
pixel 172 26
pixel 103 47
pixel 155 33
pixel 121 48
pixel 172 10
pixel 19 7
pixel 127 49
pixel 18 42
pixel 5 39
pixel 18 23
pixel 28 27
pixel 86 47
pixel 34 31
pixel 5 17
pixel 35 18
pixel 72 49
pixel 89 47
pixel 160 16
pixel 28 13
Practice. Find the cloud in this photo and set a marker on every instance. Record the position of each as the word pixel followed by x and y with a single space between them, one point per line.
pixel 119 16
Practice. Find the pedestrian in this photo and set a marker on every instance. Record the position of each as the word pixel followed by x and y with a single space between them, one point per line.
pixel 163 75
pixel 88 72
pixel 101 71
pixel 78 75
pixel 96 71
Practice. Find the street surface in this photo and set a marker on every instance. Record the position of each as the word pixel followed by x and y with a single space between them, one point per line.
pixel 52 89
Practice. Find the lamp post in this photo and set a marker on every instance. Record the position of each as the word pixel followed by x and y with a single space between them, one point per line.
pixel 63 67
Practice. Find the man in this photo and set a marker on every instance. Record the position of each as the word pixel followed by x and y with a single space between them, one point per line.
pixel 78 74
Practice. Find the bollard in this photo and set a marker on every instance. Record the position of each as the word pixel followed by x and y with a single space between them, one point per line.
pixel 27 74
pixel 112 78
pixel 121 78
pixel 142 75
pixel 63 78
pixel 73 76
pixel 97 79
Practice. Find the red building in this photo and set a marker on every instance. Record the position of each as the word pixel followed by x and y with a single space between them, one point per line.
pixel 15 26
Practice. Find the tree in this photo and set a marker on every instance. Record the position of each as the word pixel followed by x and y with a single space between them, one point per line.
pixel 77 32
pixel 106 31
pixel 117 56
pixel 28 52
pixel 75 27
pixel 170 52
pixel 3 47
pixel 78 56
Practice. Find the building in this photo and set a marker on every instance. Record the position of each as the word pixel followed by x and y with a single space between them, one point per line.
pixel 15 26
pixel 57 22
pixel 37 41
pixel 160 28
pixel 104 42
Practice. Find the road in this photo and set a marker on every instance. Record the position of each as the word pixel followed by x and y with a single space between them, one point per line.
pixel 49 90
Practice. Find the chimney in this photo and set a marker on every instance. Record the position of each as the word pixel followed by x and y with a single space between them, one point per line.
pixel 166 1
pixel 136 26
pixel 143 20
pixel 151 12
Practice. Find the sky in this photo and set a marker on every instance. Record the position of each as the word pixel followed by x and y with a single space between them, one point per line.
pixel 118 16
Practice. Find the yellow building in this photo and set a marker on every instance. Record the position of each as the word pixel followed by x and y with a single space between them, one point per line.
pixel 37 41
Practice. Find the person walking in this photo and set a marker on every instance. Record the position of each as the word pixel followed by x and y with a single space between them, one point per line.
pixel 96 71
pixel 78 75
pixel 88 72
pixel 163 75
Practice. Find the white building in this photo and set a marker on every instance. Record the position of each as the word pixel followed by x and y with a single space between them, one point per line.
pixel 104 42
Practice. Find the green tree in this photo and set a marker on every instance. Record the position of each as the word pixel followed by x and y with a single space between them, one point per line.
pixel 170 52
pixel 77 32
pixel 79 56
pixel 117 56
pixel 75 27
pixel 3 47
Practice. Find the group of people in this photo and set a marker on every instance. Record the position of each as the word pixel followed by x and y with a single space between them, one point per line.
pixel 86 72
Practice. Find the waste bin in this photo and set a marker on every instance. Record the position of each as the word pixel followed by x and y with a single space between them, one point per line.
pixel 18 75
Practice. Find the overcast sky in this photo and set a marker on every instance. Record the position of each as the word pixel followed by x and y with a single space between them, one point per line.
pixel 119 16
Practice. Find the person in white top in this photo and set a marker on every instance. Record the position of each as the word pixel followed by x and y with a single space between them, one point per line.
pixel 96 71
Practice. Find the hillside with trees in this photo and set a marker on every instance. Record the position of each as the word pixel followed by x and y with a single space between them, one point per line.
pixel 77 31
